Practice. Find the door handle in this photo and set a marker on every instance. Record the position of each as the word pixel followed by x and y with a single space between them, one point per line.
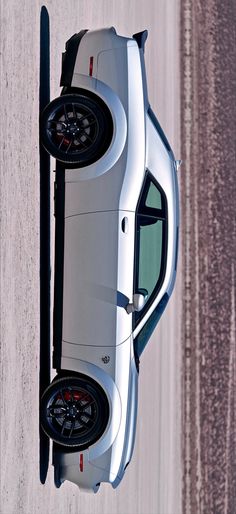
pixel 125 225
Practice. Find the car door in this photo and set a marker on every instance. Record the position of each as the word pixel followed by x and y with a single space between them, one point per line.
pixel 97 279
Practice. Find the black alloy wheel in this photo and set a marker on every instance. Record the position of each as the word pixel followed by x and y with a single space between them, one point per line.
pixel 74 411
pixel 76 129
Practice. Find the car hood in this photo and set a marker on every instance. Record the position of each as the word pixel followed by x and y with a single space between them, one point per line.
pixel 131 422
pixel 106 460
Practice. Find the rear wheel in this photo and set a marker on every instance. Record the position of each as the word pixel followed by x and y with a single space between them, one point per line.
pixel 74 411
pixel 76 129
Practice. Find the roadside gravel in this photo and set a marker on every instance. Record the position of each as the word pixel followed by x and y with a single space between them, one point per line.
pixel 209 261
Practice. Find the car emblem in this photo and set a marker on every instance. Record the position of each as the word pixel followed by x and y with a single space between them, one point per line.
pixel 106 359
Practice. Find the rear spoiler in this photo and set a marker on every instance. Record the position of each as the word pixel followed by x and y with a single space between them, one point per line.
pixel 140 38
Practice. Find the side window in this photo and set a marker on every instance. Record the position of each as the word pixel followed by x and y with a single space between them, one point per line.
pixel 153 198
pixel 150 235
pixel 150 245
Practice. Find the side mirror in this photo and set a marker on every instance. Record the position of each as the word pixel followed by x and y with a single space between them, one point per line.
pixel 138 303
pixel 178 164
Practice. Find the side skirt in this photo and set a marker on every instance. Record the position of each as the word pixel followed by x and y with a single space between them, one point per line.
pixel 59 199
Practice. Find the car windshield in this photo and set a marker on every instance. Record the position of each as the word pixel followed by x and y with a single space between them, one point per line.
pixel 150 247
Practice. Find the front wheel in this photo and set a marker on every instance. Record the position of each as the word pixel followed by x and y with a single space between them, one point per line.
pixel 76 129
pixel 74 411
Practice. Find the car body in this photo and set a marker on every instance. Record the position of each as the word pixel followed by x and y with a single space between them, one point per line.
pixel 116 242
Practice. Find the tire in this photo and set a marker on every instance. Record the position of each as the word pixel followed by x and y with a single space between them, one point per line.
pixel 74 411
pixel 76 129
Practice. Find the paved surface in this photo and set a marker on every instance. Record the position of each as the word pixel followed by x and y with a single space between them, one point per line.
pixel 209 243
pixel 153 480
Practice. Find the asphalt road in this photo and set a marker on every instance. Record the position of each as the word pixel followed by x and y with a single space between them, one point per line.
pixel 152 484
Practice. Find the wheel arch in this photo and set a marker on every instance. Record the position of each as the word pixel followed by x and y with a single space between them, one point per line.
pixel 66 382
pixel 101 92
pixel 113 395
pixel 64 134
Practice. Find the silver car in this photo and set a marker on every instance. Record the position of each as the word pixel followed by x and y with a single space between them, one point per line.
pixel 116 240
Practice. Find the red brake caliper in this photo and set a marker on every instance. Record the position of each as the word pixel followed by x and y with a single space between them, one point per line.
pixel 60 136
pixel 77 395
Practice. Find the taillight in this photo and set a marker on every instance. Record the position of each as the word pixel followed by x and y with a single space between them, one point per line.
pixel 91 66
pixel 81 462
